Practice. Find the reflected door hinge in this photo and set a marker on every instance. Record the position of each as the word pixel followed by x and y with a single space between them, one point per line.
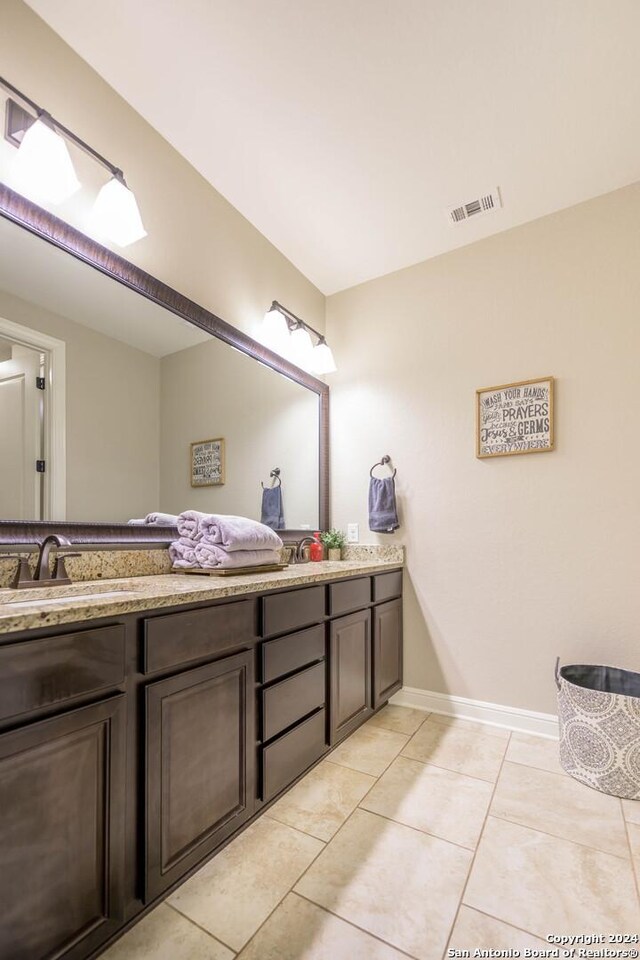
pixel 40 466
pixel 40 383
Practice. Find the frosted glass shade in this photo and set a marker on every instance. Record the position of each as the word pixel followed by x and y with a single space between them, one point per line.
pixel 275 329
pixel 43 169
pixel 323 361
pixel 301 348
pixel 115 214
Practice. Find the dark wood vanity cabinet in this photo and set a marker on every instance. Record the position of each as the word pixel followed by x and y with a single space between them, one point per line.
pixel 387 651
pixel 132 749
pixel 62 802
pixel 351 675
pixel 200 765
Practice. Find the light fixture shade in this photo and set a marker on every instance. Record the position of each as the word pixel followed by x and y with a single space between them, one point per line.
pixel 115 214
pixel 43 169
pixel 301 348
pixel 275 327
pixel 323 361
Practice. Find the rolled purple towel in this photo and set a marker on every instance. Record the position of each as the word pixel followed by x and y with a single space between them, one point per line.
pixel 209 554
pixel 182 552
pixel 188 524
pixel 238 533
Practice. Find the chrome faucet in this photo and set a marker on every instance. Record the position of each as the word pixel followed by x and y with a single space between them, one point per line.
pixel 43 576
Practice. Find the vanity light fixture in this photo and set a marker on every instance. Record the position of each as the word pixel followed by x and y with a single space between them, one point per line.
pixel 44 170
pixel 291 336
pixel 302 347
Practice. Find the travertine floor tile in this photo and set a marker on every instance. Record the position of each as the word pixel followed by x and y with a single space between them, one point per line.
pixel 634 842
pixel 321 802
pixel 631 810
pixel 501 732
pixel 369 749
pixel 561 806
pixel 299 930
pixel 477 931
pixel 457 748
pixel 395 882
pixel 445 804
pixel 400 719
pixel 237 890
pixel 534 752
pixel 165 935
pixel 545 885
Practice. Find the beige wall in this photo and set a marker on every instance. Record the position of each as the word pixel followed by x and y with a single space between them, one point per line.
pixel 515 560
pixel 112 417
pixel 212 390
pixel 197 242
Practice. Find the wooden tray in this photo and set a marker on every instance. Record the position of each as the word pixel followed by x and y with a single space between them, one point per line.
pixel 230 571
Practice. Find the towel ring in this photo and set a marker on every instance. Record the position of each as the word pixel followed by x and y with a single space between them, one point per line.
pixel 277 482
pixel 384 462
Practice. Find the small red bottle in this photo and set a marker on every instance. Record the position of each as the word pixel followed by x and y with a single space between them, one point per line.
pixel 316 550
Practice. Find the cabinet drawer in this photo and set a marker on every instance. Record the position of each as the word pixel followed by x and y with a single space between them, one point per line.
pixel 38 673
pixel 290 653
pixel 288 757
pixel 282 612
pixel 349 595
pixel 387 585
pixel 180 637
pixel 292 699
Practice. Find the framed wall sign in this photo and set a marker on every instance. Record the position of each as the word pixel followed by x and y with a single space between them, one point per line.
pixel 207 463
pixel 515 418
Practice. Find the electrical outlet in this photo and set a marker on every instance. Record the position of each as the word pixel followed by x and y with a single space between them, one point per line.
pixel 353 534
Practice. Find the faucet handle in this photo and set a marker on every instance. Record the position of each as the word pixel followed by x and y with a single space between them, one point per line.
pixel 59 569
pixel 23 570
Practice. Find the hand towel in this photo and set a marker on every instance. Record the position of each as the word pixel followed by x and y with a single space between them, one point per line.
pixel 238 533
pixel 182 552
pixel 383 513
pixel 155 520
pixel 272 510
pixel 161 519
pixel 188 524
pixel 211 555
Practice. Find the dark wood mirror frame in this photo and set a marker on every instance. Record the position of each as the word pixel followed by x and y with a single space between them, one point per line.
pixel 38 221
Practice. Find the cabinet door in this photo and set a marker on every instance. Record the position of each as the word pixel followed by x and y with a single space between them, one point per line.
pixel 200 765
pixel 61 833
pixel 387 651
pixel 350 652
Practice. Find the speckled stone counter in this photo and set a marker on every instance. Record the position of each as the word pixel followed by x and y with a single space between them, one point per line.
pixel 89 600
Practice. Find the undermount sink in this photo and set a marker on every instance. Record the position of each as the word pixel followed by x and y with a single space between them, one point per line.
pixel 70 598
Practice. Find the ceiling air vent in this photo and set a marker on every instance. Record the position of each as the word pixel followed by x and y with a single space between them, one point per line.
pixel 487 203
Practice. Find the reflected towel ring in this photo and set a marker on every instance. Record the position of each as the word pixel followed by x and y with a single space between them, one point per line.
pixel 384 462
pixel 275 474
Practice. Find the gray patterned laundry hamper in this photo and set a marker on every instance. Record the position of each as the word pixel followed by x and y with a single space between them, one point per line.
pixel 599 710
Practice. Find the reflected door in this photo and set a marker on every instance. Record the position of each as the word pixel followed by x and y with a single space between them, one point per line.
pixel 20 432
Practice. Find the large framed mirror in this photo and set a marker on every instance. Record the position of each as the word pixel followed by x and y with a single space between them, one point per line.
pixel 115 390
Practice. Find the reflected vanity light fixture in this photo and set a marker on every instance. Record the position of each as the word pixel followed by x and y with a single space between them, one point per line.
pixel 289 335
pixel 44 171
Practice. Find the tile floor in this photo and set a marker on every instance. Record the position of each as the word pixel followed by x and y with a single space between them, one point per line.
pixel 419 834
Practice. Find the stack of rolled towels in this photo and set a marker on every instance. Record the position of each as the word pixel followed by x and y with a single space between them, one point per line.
pixel 213 540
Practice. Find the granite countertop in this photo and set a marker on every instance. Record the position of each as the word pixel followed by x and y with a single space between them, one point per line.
pixel 48 606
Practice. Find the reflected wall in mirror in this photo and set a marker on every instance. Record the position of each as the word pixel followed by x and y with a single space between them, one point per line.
pixel 129 386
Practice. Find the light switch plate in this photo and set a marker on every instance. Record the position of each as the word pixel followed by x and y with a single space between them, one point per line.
pixel 353 534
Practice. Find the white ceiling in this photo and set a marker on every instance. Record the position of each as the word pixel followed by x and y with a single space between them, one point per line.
pixel 342 129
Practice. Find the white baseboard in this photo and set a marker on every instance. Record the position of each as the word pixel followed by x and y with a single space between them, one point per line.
pixel 512 718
